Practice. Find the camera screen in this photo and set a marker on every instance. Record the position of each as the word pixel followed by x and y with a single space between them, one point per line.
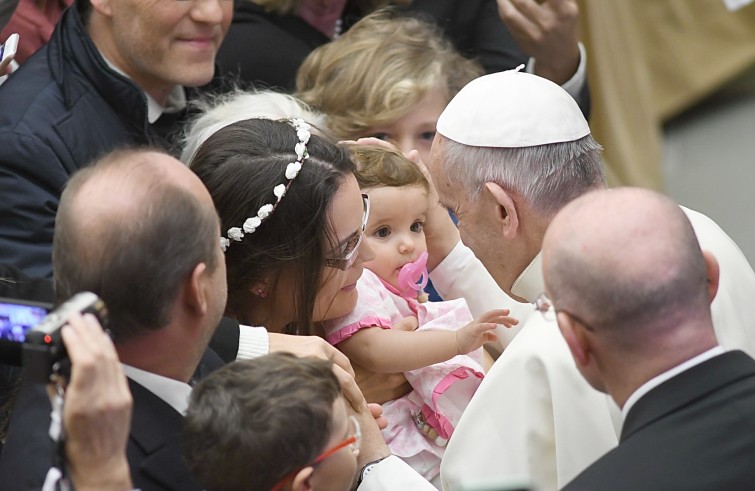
pixel 16 320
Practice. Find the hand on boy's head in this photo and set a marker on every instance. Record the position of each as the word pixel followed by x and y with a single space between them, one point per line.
pixel 376 410
pixel 302 346
pixel 350 389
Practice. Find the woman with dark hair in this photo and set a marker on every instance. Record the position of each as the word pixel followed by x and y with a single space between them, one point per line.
pixel 292 219
pixel 299 264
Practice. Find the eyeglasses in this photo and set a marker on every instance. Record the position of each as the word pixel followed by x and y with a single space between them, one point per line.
pixel 353 442
pixel 544 305
pixel 351 248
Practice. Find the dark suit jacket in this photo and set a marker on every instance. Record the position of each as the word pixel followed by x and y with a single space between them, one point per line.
pixel 695 431
pixel 153 450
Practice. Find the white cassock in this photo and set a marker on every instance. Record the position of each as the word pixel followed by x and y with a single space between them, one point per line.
pixel 534 416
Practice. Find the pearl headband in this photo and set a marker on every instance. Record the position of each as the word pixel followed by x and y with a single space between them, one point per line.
pixel 292 170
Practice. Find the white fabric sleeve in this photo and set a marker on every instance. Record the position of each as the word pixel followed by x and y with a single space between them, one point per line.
pixel 253 342
pixel 462 275
pixel 574 85
pixel 392 474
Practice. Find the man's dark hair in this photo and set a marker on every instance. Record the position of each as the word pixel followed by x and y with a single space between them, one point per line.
pixel 135 260
pixel 241 164
pixel 252 422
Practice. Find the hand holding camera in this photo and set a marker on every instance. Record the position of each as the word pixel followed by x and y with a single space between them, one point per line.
pixel 97 410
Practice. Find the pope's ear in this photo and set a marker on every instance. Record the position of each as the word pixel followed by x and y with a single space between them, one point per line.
pixel 506 212
pixel 575 339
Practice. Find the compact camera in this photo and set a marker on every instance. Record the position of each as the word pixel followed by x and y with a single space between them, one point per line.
pixel 30 334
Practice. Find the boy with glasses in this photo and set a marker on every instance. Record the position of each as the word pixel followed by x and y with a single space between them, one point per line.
pixel 273 423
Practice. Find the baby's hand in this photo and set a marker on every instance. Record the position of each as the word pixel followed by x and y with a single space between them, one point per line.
pixel 482 330
pixel 406 324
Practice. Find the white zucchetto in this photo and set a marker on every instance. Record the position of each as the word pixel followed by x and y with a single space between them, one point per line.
pixel 512 109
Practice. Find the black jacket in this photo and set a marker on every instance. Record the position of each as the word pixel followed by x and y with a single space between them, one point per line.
pixel 696 431
pixel 153 448
pixel 63 108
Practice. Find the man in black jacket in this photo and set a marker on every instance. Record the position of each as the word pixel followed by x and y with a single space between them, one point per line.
pixel 151 252
pixel 113 75
pixel 632 299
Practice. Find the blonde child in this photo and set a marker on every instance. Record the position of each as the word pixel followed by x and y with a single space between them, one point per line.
pixel 436 344
pixel 389 76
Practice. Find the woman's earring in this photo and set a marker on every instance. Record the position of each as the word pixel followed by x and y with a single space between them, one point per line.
pixel 261 293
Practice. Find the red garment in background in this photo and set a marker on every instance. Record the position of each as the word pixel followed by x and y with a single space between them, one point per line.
pixel 34 21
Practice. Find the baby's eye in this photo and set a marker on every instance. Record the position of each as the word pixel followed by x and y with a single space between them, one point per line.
pixel 427 135
pixel 381 136
pixel 416 227
pixel 383 232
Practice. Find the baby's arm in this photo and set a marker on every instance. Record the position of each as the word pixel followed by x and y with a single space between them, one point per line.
pixel 394 350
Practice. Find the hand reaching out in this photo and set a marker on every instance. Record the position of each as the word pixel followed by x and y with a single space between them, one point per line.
pixel 482 330
pixel 547 31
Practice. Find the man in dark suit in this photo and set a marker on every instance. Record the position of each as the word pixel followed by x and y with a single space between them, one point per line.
pixel 140 230
pixel 632 299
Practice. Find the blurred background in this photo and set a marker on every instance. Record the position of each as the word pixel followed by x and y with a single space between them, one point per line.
pixel 673 86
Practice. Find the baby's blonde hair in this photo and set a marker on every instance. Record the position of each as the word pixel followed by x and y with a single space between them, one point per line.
pixel 378 167
pixel 379 69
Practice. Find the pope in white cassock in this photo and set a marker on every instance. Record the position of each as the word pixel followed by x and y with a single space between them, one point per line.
pixel 511 150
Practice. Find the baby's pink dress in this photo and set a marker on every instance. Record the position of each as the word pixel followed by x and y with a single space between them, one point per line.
pixel 441 391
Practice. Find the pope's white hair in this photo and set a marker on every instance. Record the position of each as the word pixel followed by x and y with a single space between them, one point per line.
pixel 219 111
pixel 547 176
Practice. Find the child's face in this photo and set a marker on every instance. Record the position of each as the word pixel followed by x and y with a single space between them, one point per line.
pixel 415 130
pixel 395 229
pixel 337 471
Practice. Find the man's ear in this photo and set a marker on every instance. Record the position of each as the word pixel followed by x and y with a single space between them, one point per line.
pixel 506 211
pixel 575 336
pixel 303 480
pixel 713 272
pixel 196 290
pixel 102 6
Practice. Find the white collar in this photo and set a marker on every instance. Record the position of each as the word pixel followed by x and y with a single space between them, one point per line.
pixel 173 392
pixel 659 379
pixel 530 283
pixel 175 102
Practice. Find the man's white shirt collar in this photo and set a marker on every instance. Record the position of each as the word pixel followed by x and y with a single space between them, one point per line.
pixel 175 102
pixel 669 374
pixel 171 391
pixel 530 283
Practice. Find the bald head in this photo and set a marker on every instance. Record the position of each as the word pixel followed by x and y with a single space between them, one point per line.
pixel 626 261
pixel 130 228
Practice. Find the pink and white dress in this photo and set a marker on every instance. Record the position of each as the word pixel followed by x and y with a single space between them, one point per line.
pixel 441 391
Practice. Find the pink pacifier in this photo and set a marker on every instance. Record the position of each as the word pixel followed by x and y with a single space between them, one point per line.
pixel 413 277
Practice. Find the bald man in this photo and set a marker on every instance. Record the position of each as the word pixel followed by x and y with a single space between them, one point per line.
pixel 511 151
pixel 140 230
pixel 632 299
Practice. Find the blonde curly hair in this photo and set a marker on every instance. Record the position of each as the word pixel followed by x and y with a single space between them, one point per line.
pixel 379 69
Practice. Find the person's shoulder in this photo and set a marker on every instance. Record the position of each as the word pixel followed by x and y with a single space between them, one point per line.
pixel 30 97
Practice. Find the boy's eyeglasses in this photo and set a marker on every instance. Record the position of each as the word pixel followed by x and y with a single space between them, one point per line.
pixel 353 442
